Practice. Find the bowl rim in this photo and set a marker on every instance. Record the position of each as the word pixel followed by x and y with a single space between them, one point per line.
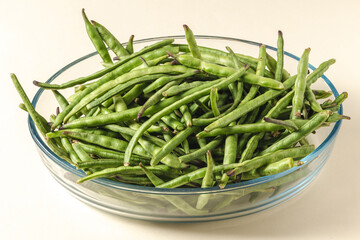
pixel 179 191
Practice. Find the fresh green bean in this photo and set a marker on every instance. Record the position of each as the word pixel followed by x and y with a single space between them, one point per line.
pixel 162 170
pixel 110 154
pixel 110 40
pixel 155 180
pixel 310 96
pixel 201 151
pixel 300 85
pixel 174 90
pixel 214 97
pixel 37 120
pixel 96 39
pixel 280 57
pixel 249 128
pixel 206 182
pixel 166 79
pixel 172 144
pixel 192 42
pixel 186 115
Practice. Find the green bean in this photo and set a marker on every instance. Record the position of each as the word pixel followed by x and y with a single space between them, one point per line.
pixel 201 151
pixel 154 118
pixel 186 115
pixel 341 98
pixel 96 39
pixel 276 167
pixel 131 132
pixel 70 150
pixel 186 146
pixel 130 46
pixel 174 90
pixel 300 85
pixel 135 92
pixel 230 147
pixel 111 154
pixel 304 130
pixel 227 71
pixel 155 180
pixel 170 159
pixel 112 87
pixel 80 152
pixel 319 71
pixel 110 40
pixel 334 117
pixel 104 141
pixel 249 128
pixel 272 64
pixel 173 123
pixel 89 130
pixel 156 97
pixel 280 57
pixel 214 97
pixel 288 125
pixel 310 96
pixel 162 170
pixel 38 120
pixel 100 163
pixel 202 105
pixel 192 42
pixel 206 182
pixel 249 106
pixel 237 168
pixel 259 72
pixel 155 50
pixel 321 94
pixel 172 144
pixel 43 121
pixel 166 79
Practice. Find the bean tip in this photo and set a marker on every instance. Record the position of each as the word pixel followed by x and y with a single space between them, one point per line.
pixel 186 27
pixel 116 58
pixel 280 33
pixel 126 164
pixel 139 116
pixel 65 132
pixel 230 173
pixel 171 54
pixel 93 22
pixel 36 83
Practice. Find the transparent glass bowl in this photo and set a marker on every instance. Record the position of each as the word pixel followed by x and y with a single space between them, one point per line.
pixel 178 205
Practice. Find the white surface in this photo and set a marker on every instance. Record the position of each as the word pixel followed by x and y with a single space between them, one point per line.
pixel 40 37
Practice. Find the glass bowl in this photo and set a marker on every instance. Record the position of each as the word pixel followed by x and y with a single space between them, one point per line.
pixel 178 205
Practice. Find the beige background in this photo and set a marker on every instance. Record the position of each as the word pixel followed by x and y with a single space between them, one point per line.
pixel 39 37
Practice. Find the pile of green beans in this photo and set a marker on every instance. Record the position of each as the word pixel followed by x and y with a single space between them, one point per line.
pixel 182 115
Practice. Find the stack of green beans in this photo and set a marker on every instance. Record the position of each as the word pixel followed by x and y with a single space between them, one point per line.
pixel 182 115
